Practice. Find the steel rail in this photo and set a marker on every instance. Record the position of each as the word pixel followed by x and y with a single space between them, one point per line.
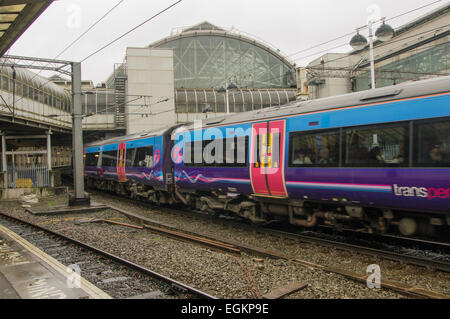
pixel 413 260
pixel 413 291
pixel 175 284
pixel 395 256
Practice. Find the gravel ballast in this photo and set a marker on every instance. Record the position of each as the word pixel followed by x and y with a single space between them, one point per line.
pixel 224 275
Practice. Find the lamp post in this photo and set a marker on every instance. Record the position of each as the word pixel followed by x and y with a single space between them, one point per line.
pixel 359 42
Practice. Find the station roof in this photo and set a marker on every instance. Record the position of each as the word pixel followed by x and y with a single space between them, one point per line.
pixel 15 17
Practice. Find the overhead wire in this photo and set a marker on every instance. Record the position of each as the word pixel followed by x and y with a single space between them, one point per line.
pixel 131 30
pixel 349 34
pixel 72 43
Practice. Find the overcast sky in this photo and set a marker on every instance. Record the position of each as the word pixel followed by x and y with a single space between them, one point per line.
pixel 288 25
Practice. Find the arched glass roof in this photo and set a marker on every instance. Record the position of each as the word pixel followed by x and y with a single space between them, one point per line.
pixel 206 56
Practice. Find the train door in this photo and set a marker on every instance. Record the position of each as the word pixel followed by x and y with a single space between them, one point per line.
pixel 267 158
pixel 121 163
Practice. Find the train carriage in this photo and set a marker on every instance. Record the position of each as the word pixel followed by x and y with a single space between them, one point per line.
pixel 364 156
pixel 131 165
pixel 379 159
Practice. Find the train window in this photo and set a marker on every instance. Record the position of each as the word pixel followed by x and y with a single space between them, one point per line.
pixel 131 153
pixel 91 159
pixel 143 157
pixel 377 146
pixel 230 152
pixel 235 152
pixel 314 149
pixel 432 143
pixel 109 158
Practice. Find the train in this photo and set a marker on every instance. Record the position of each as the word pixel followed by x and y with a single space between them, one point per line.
pixel 377 161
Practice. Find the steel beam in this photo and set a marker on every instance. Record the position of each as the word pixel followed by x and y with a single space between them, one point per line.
pixel 26 153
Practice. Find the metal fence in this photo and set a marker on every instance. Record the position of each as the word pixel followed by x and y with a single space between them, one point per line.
pixel 28 177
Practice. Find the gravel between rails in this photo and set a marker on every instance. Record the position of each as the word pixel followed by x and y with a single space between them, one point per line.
pixel 224 275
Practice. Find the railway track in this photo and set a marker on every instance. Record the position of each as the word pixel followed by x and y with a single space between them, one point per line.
pixel 118 277
pixel 407 256
pixel 412 291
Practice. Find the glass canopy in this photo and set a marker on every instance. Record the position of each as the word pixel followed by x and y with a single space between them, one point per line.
pixel 206 56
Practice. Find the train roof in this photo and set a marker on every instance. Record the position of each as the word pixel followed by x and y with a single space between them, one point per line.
pixel 395 92
pixel 124 138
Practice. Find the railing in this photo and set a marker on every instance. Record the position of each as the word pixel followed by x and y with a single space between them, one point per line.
pixel 28 177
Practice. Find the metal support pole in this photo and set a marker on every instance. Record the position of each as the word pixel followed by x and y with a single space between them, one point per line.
pixel 372 58
pixel 49 150
pixel 228 99
pixel 4 162
pixel 77 133
pixel 49 158
pixel 228 102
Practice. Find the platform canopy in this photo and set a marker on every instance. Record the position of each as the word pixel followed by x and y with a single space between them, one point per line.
pixel 15 17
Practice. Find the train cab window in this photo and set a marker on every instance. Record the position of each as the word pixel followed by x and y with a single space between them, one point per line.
pixel 377 146
pixel 432 144
pixel 91 159
pixel 316 149
pixel 144 157
pixel 109 159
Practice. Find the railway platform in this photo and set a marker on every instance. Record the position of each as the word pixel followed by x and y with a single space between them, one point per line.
pixel 26 272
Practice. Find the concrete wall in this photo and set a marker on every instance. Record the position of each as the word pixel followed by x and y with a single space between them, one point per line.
pixel 99 122
pixel 150 74
pixel 335 84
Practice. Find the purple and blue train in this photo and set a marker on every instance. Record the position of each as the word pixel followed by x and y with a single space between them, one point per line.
pixel 377 159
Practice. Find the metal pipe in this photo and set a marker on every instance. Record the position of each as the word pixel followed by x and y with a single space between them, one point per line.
pixel 310 223
pixel 180 197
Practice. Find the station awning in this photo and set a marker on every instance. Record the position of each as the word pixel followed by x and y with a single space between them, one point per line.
pixel 15 17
